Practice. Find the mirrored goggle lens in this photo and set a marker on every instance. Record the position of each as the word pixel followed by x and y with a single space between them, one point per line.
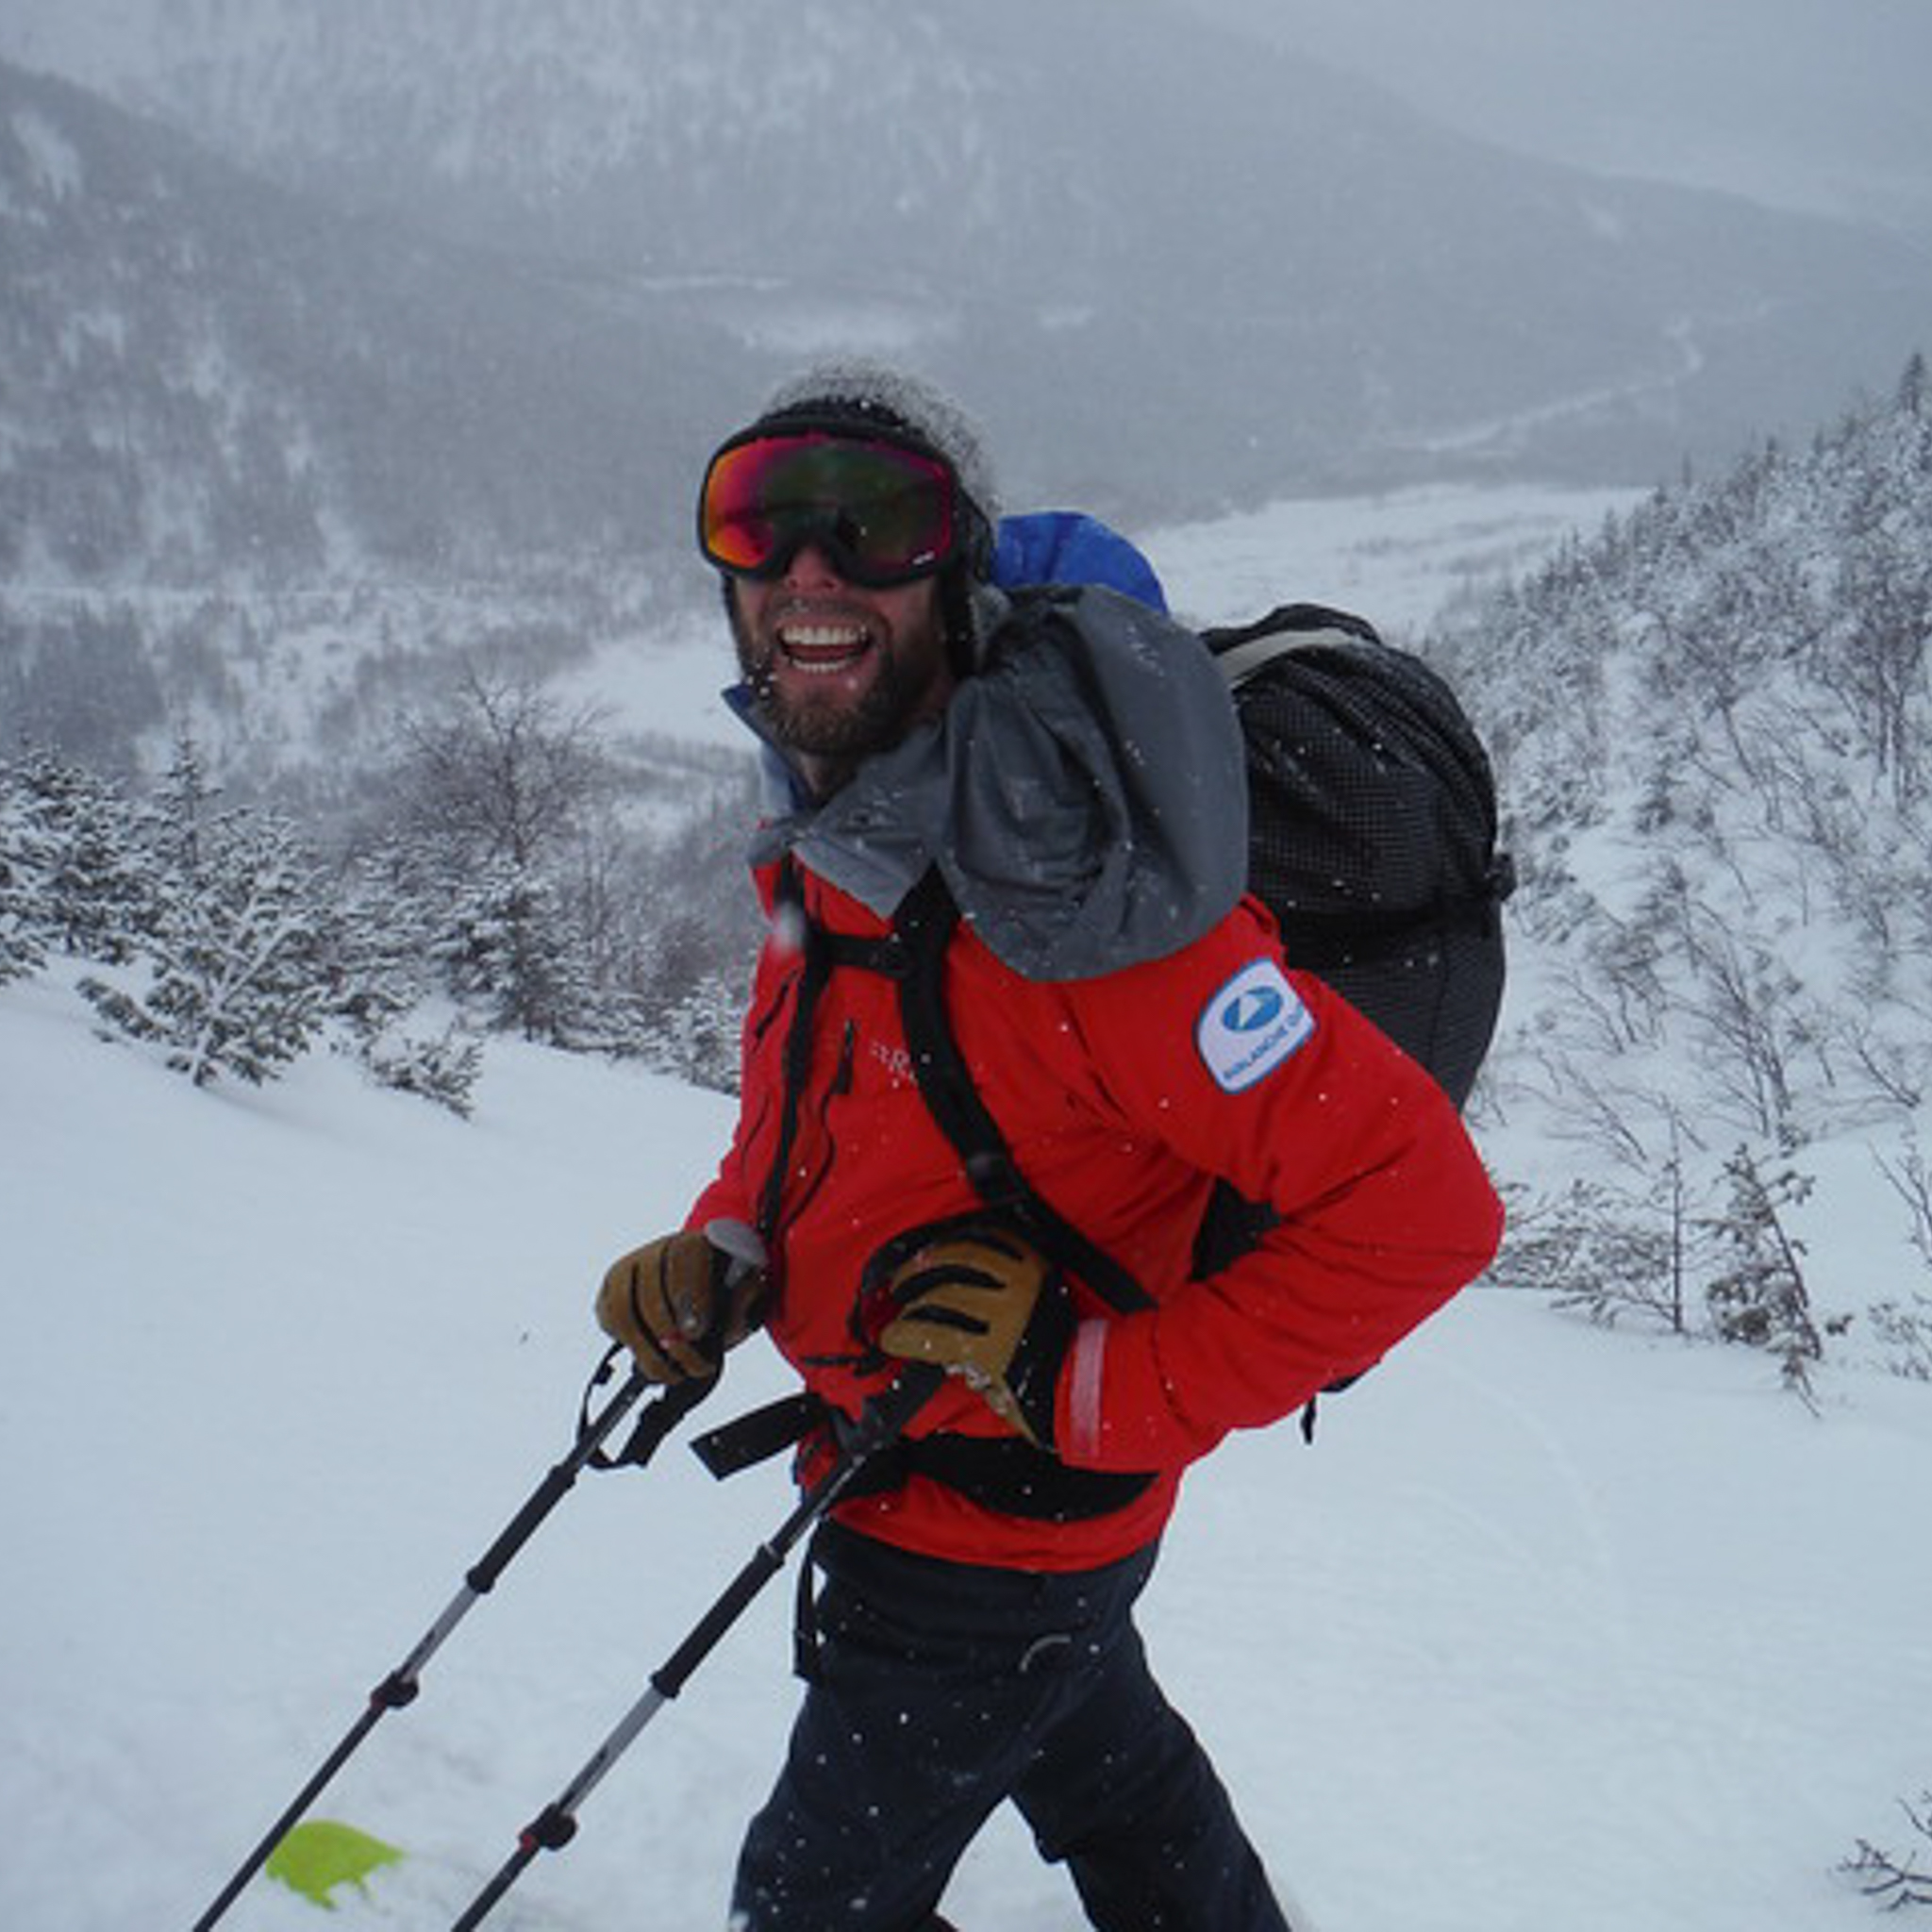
pixel 886 514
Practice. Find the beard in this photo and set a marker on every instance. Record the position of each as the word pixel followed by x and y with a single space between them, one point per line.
pixel 839 728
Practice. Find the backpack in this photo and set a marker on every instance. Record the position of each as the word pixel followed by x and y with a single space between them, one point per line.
pixel 1372 832
pixel 1372 837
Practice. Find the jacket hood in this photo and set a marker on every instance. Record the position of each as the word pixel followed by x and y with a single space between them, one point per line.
pixel 1084 798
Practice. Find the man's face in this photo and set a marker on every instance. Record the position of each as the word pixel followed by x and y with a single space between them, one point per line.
pixel 838 671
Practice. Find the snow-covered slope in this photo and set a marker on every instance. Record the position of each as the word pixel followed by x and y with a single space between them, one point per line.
pixel 1550 1627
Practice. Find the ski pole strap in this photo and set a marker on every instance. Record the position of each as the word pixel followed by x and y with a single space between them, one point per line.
pixel 661 1414
pixel 760 1434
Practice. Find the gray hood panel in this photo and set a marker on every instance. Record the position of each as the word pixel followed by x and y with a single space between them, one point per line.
pixel 1084 799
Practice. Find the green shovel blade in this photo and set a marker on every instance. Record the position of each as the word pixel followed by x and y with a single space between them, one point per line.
pixel 317 1856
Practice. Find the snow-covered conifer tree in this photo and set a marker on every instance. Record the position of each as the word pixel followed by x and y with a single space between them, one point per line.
pixel 78 856
pixel 1761 1297
pixel 23 869
pixel 383 972
pixel 236 971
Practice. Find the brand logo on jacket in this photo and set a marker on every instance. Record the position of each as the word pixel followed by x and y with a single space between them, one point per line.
pixel 896 1060
pixel 1257 1008
pixel 1251 1025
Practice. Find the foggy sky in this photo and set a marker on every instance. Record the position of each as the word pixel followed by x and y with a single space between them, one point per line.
pixel 1815 104
pixel 1811 104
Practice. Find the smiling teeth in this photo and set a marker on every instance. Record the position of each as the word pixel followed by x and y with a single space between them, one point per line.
pixel 823 636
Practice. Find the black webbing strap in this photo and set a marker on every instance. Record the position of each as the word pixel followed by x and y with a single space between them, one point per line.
pixel 795 1059
pixel 1006 1472
pixel 760 1434
pixel 923 925
pixel 1008 1475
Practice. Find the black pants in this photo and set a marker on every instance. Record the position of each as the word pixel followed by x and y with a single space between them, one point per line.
pixel 942 1690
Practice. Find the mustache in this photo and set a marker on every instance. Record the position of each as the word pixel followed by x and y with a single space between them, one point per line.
pixel 800 608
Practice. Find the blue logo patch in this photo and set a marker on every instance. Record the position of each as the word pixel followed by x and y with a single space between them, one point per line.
pixel 1251 1026
pixel 1250 1011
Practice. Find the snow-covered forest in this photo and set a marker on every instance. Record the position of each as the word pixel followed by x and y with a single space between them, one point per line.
pixel 1712 720
pixel 503 874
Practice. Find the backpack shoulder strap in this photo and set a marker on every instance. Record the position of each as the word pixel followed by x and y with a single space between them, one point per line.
pixel 923 925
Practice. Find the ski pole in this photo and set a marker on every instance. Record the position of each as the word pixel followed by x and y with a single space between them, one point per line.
pixel 400 1687
pixel 878 1426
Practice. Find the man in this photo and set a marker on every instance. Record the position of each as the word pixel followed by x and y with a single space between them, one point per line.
pixel 1066 772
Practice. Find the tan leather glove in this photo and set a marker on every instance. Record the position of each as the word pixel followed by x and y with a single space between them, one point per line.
pixel 679 1302
pixel 982 1303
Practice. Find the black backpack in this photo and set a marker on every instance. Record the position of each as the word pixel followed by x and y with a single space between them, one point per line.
pixel 1372 831
pixel 1372 837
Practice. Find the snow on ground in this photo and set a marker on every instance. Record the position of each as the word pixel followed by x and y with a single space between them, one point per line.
pixel 1552 1628
pixel 1395 557
pixel 670 680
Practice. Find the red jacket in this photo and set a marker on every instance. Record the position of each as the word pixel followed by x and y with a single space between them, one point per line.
pixel 1123 1097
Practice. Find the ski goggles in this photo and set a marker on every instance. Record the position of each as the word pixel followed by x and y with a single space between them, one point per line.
pixel 883 513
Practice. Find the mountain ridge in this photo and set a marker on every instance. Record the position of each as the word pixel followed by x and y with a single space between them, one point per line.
pixel 1298 281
